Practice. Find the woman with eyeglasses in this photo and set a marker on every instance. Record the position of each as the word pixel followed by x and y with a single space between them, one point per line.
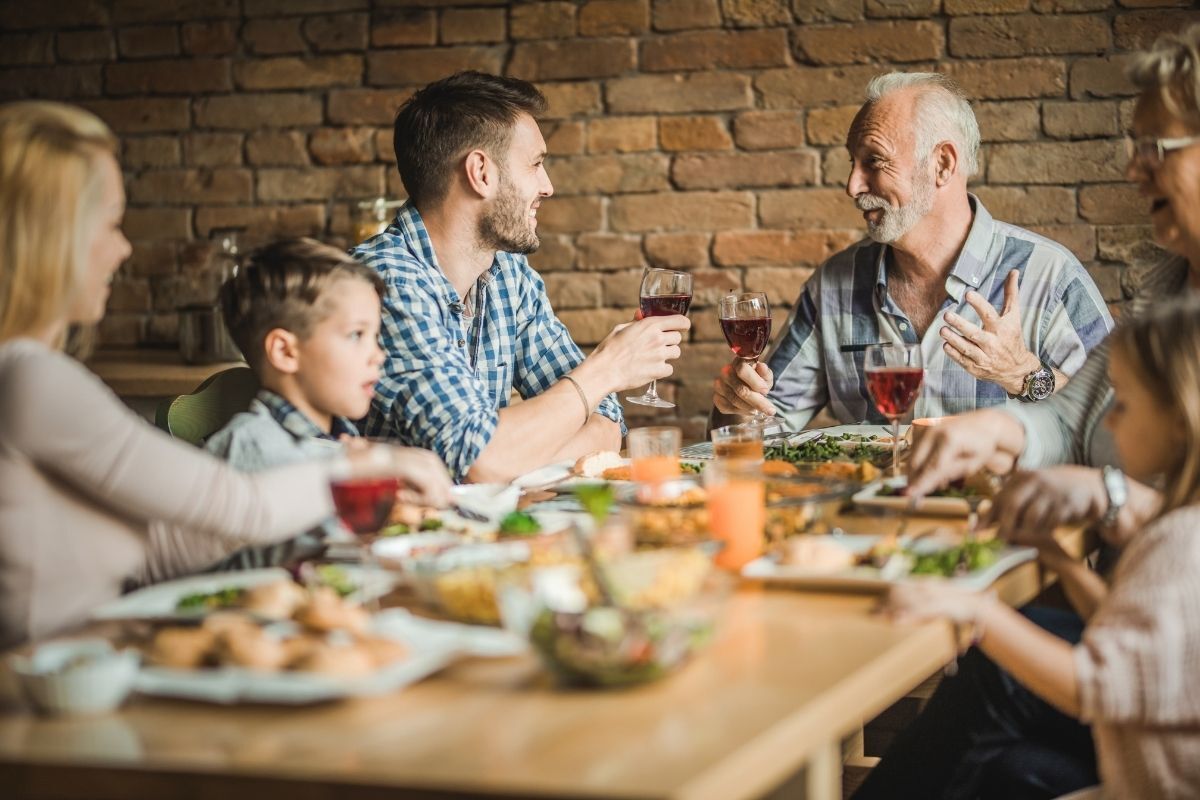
pixel 984 734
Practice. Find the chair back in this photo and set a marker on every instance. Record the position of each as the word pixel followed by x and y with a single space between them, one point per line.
pixel 196 416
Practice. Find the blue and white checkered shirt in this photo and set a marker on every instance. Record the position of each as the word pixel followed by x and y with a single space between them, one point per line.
pixel 818 361
pixel 446 375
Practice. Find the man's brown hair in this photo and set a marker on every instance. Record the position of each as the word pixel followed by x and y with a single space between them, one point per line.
pixel 284 285
pixel 441 123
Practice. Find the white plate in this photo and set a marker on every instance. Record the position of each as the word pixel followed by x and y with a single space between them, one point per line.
pixel 942 506
pixel 704 450
pixel 870 578
pixel 559 477
pixel 160 600
pixel 492 500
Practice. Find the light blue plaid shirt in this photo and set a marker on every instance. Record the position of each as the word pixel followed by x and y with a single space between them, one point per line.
pixel 818 361
pixel 446 376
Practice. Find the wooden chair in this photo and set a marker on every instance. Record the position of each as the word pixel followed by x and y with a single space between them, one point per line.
pixel 196 416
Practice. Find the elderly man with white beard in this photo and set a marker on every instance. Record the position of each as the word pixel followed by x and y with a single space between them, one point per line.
pixel 1001 314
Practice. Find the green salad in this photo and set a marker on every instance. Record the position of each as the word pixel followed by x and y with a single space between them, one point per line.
pixel 400 528
pixel 221 599
pixel 827 448
pixel 959 560
pixel 519 523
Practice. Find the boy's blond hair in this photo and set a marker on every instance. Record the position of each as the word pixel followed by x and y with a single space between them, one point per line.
pixel 285 285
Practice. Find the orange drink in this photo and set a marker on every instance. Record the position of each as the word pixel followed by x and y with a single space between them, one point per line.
pixel 654 454
pixel 737 511
pixel 738 442
pixel 654 469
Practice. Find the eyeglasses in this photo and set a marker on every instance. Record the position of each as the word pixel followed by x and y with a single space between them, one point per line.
pixel 1151 151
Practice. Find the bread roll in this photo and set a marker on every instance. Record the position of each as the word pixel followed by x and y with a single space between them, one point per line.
pixel 276 601
pixel 593 464
pixel 182 648
pixel 346 661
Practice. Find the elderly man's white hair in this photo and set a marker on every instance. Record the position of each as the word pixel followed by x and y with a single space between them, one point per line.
pixel 942 113
pixel 1172 67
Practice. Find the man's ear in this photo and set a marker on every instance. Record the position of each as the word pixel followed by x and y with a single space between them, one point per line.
pixel 945 156
pixel 282 349
pixel 483 174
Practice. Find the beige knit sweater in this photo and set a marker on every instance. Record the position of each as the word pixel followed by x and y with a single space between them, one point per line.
pixel 1139 665
pixel 91 496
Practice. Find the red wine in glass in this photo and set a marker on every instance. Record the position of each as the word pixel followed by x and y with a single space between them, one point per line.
pixel 747 337
pixel 894 389
pixel 364 504
pixel 663 292
pixel 665 305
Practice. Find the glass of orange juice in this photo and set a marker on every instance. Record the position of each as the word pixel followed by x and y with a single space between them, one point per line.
pixel 654 454
pixel 738 442
pixel 737 510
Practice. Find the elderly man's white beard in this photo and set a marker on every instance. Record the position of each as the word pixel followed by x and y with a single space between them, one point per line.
pixel 895 221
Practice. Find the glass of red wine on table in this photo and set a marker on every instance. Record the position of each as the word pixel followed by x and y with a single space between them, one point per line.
pixel 894 376
pixel 746 323
pixel 664 292
pixel 364 505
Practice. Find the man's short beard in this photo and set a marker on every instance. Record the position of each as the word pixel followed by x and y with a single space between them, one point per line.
pixel 504 226
pixel 896 222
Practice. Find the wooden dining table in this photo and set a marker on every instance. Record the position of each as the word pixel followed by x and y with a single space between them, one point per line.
pixel 787 677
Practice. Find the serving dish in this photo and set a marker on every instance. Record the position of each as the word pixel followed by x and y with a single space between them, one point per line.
pixel 886 494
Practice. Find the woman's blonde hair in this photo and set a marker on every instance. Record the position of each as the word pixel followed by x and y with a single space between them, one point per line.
pixel 50 192
pixel 1172 68
pixel 1163 350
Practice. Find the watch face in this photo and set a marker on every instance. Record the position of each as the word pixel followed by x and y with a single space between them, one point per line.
pixel 1042 385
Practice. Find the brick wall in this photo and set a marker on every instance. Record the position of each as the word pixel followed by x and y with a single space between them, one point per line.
pixel 700 134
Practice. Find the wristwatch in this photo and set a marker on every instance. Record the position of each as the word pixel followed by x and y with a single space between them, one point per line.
pixel 1038 385
pixel 1118 492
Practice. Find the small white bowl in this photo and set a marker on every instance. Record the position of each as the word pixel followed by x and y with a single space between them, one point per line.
pixel 492 500
pixel 76 677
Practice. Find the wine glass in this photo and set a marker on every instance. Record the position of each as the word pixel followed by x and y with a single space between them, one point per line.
pixel 894 375
pixel 364 505
pixel 664 292
pixel 746 323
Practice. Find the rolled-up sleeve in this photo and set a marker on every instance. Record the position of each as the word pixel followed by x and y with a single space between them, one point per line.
pixel 800 389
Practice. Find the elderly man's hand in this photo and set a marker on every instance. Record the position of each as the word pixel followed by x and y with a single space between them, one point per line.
pixel 961 446
pixel 1032 504
pixel 742 388
pixel 996 352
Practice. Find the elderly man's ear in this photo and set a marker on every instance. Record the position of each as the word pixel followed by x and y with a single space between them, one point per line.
pixel 947 162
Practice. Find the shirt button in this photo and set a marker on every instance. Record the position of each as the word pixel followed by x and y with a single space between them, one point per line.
pixel 462 342
pixel 903 326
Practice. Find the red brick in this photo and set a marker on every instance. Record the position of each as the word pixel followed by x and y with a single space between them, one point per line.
pixel 1100 77
pixel 319 183
pixel 273 37
pixel 384 150
pixel 300 73
pixel 120 330
pixel 50 14
pixel 572 290
pixel 756 13
pixel 682 211
pixel 213 149
pixel 1032 205
pixel 808 248
pixel 622 134
pixel 968 7
pixel 1017 121
pixel 27 49
pixel 85 46
pixel 1115 203
pixel 342 145
pixel 911 9
pixel 149 41
pixel 745 170
pixel 555 60
pixel 157 223
pixel 693 133
pixel 1153 3
pixel 266 221
pixel 162 329
pixel 1079 239
pixel 811 11
pixel 420 66
pixel 782 285
pixel 829 126
pixel 606 251
pixel 1069 6
pixel 153 257
pixel 1065 162
pixel 209 38
pixel 835 167
pixel 272 8
pixel 570 99
pixel 366 106
pixel 404 27
pixel 571 215
pixel 563 138
pixel 150 151
pixel 804 87
pixel 191 186
pixel 867 42
pixel 768 130
pixel 276 149
pixel 986 37
pixel 183 76
pixel 680 15
pixel 700 91
pixel 614 17
pixel 126 11
pixel 556 254
pixel 620 286
pixel 609 174
pixel 545 20
pixel 1127 244
pixel 251 111
pixel 1076 120
pixel 50 83
pixel 708 49
pixel 468 25
pixel 143 114
pixel 1138 30
pixel 677 250
pixel 590 326
pixel 710 285
pixel 336 33
pixel 1009 79
pixel 129 295
pixel 808 209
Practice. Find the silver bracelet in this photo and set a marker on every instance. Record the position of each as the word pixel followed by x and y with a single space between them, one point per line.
pixel 587 407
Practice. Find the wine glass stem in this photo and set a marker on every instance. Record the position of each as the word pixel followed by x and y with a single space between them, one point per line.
pixel 652 390
pixel 895 447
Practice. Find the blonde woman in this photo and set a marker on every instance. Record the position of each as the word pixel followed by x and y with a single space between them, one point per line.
pixel 91 497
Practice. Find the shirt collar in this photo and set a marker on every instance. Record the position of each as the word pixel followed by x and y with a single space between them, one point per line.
pixel 297 423
pixel 973 263
pixel 411 227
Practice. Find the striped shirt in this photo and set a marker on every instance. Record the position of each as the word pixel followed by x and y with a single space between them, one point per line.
pixel 446 375
pixel 1066 428
pixel 845 306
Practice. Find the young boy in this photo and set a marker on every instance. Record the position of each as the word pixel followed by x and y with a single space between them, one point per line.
pixel 306 317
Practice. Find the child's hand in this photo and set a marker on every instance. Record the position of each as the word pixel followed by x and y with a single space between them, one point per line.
pixel 920 601
pixel 426 481
pixel 1032 504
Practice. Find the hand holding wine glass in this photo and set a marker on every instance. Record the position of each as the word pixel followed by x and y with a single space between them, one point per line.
pixel 894 376
pixel 664 292
pixel 746 323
